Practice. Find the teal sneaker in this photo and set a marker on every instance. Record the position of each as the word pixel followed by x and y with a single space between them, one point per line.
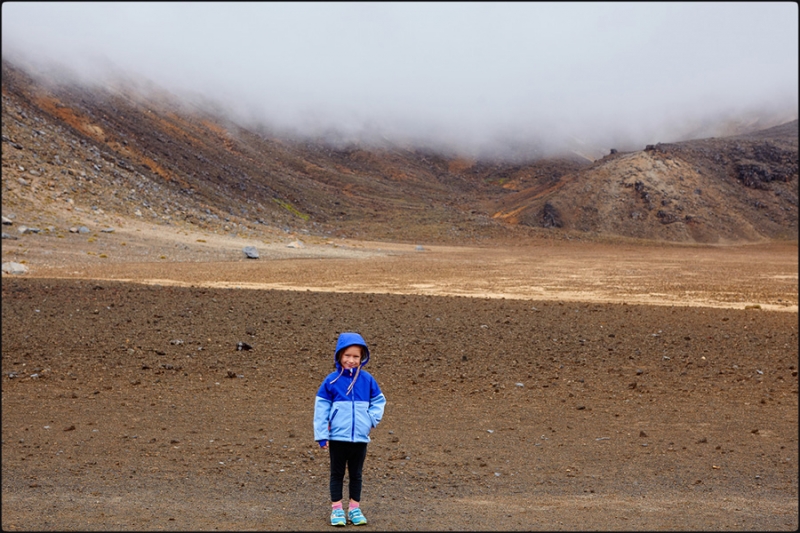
pixel 337 517
pixel 356 517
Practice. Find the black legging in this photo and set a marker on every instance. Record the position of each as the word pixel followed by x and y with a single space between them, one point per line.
pixel 351 454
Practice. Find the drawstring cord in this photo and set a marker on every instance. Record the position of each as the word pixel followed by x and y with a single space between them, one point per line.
pixel 350 388
pixel 337 377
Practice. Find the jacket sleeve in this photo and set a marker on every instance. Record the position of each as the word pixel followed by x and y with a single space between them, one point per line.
pixel 322 412
pixel 377 403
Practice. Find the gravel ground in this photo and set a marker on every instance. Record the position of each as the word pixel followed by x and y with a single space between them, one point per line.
pixel 127 406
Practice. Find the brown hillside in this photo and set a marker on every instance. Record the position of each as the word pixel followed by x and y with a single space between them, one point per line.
pixel 71 153
pixel 70 150
pixel 712 190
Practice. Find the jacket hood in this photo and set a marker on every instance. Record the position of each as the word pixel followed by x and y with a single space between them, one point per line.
pixel 349 339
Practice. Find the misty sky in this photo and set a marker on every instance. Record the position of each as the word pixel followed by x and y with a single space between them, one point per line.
pixel 474 76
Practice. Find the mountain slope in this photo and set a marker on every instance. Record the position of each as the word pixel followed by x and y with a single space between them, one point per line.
pixel 155 159
pixel 740 188
pixel 70 152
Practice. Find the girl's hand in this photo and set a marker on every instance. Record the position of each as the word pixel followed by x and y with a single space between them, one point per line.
pixel 323 444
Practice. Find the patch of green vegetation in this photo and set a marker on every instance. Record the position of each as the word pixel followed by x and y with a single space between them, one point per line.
pixel 292 209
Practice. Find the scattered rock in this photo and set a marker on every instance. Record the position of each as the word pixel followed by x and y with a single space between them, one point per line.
pixel 9 236
pixel 250 252
pixel 296 244
pixel 551 217
pixel 7 221
pixel 243 346
pixel 14 268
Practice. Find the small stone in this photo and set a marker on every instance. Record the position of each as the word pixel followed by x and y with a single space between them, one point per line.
pixel 250 252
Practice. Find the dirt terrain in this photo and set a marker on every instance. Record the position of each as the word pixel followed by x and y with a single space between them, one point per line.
pixel 551 386
pixel 557 350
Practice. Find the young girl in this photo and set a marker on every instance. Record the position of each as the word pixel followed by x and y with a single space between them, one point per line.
pixel 348 405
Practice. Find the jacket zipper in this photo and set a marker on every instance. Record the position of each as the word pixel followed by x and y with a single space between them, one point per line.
pixel 353 414
pixel 353 428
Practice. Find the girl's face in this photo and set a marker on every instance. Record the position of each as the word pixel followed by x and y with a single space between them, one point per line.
pixel 350 357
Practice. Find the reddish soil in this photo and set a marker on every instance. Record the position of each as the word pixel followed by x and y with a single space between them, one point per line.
pixel 599 389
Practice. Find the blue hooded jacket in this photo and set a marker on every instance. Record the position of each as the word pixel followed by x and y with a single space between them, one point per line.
pixel 349 403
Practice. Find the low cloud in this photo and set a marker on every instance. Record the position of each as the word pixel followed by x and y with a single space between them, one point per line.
pixel 478 78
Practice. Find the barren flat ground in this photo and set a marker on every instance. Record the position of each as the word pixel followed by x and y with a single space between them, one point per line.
pixel 551 386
